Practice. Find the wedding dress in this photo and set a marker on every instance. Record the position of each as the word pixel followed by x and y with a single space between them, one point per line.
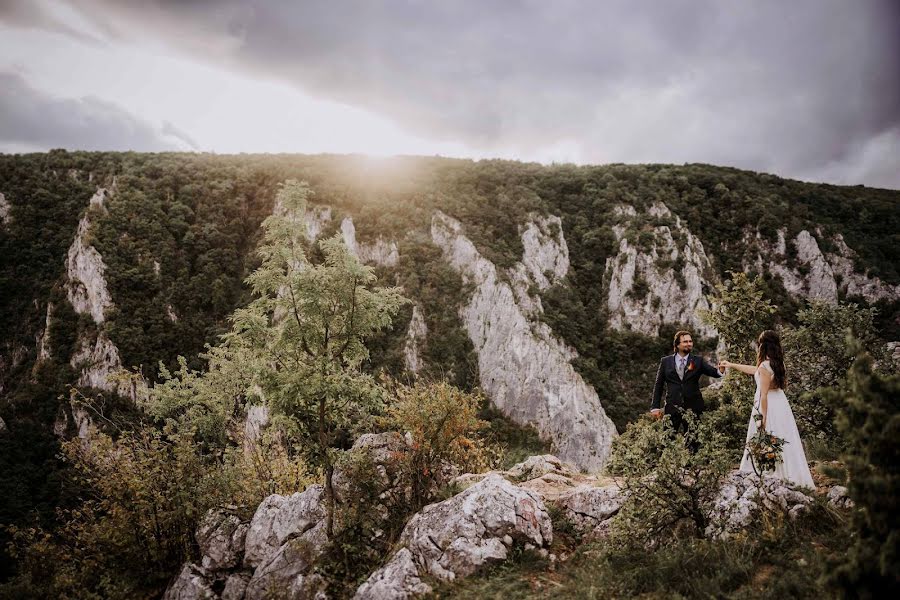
pixel 792 467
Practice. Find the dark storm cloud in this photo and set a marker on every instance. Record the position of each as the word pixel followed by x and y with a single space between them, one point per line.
pixel 800 88
pixel 31 120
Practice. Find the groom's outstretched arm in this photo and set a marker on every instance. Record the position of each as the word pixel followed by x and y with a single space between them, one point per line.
pixel 708 369
pixel 656 403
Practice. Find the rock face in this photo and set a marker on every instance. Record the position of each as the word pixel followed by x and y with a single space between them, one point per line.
pixel 380 253
pixel 661 276
pixel 590 508
pixel 523 368
pixel 300 516
pixel 86 287
pixel 455 537
pixel 817 275
pixel 96 358
pixel 272 556
pixel 415 337
pixel 739 497
pixel 221 538
pixel 5 210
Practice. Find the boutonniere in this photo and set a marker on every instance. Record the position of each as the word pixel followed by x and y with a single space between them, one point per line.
pixel 690 366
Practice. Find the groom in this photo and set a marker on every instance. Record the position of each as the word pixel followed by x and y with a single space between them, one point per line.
pixel 680 374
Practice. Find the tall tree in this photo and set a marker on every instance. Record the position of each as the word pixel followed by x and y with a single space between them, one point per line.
pixel 306 331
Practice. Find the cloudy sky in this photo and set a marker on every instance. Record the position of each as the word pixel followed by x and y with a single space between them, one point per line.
pixel 807 89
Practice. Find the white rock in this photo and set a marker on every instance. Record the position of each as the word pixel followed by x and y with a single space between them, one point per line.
pixel 665 300
pixel 86 286
pixel 455 537
pixel 590 508
pixel 221 537
pixel 739 498
pixel 838 496
pixel 536 466
pixel 523 368
pixel 5 210
pixel 301 515
pixel 257 421
pixel 44 350
pixel 858 284
pixel 380 252
pixel 3 427
pixel 236 586
pixel 192 583
pixel 398 580
pixel 545 253
pixel 415 337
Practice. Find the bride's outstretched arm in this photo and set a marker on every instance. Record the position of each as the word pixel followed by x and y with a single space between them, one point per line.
pixel 749 370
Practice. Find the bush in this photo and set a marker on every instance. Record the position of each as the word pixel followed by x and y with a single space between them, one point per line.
pixel 671 480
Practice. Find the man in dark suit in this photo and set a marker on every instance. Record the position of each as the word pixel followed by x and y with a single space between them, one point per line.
pixel 680 374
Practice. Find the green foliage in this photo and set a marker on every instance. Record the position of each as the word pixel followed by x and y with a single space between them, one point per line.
pixel 514 442
pixel 671 480
pixel 740 313
pixel 868 417
pixel 817 358
pixel 144 497
pixel 304 333
pixel 445 430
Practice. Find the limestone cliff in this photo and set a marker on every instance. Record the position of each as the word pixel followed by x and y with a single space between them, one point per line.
pixel 814 274
pixel 523 368
pixel 661 273
pixel 380 252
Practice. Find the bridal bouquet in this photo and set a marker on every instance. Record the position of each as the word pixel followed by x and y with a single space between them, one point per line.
pixel 765 449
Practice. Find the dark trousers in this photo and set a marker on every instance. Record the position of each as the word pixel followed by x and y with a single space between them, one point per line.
pixel 680 424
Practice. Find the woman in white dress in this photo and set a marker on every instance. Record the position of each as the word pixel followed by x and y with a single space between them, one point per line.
pixel 777 417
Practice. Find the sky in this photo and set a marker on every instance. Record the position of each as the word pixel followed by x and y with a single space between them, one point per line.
pixel 807 89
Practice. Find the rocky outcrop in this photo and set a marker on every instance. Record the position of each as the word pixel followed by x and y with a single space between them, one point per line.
pixel 280 518
pixel 86 285
pixel 456 537
pixel 96 357
pixel 5 211
pixel 742 494
pixel 192 583
pixel 271 556
pixel 315 220
pixel 839 497
pixel 523 368
pixel 44 351
pixel 813 273
pixel 661 274
pixel 590 509
pixel 398 580
pixel 221 536
pixel 415 337
pixel 379 252
pixel 257 421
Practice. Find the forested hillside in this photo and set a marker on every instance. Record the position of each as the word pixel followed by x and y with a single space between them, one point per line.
pixel 177 234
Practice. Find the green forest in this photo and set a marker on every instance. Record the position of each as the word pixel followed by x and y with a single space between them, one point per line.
pixel 191 235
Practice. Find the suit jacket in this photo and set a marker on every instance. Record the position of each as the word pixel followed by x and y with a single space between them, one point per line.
pixel 681 393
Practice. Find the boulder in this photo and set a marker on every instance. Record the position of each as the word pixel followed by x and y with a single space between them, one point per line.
pixel 398 580
pixel 192 583
pixel 221 538
pixel 839 498
pixel 279 518
pixel 743 494
pixel 590 508
pixel 456 537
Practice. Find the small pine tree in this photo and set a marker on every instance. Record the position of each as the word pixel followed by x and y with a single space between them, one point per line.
pixel 868 416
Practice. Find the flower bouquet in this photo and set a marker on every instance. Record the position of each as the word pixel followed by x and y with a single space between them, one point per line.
pixel 764 448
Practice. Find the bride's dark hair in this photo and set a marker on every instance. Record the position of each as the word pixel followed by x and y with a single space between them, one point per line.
pixel 768 347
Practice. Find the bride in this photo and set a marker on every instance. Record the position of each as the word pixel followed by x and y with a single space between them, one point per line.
pixel 777 417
